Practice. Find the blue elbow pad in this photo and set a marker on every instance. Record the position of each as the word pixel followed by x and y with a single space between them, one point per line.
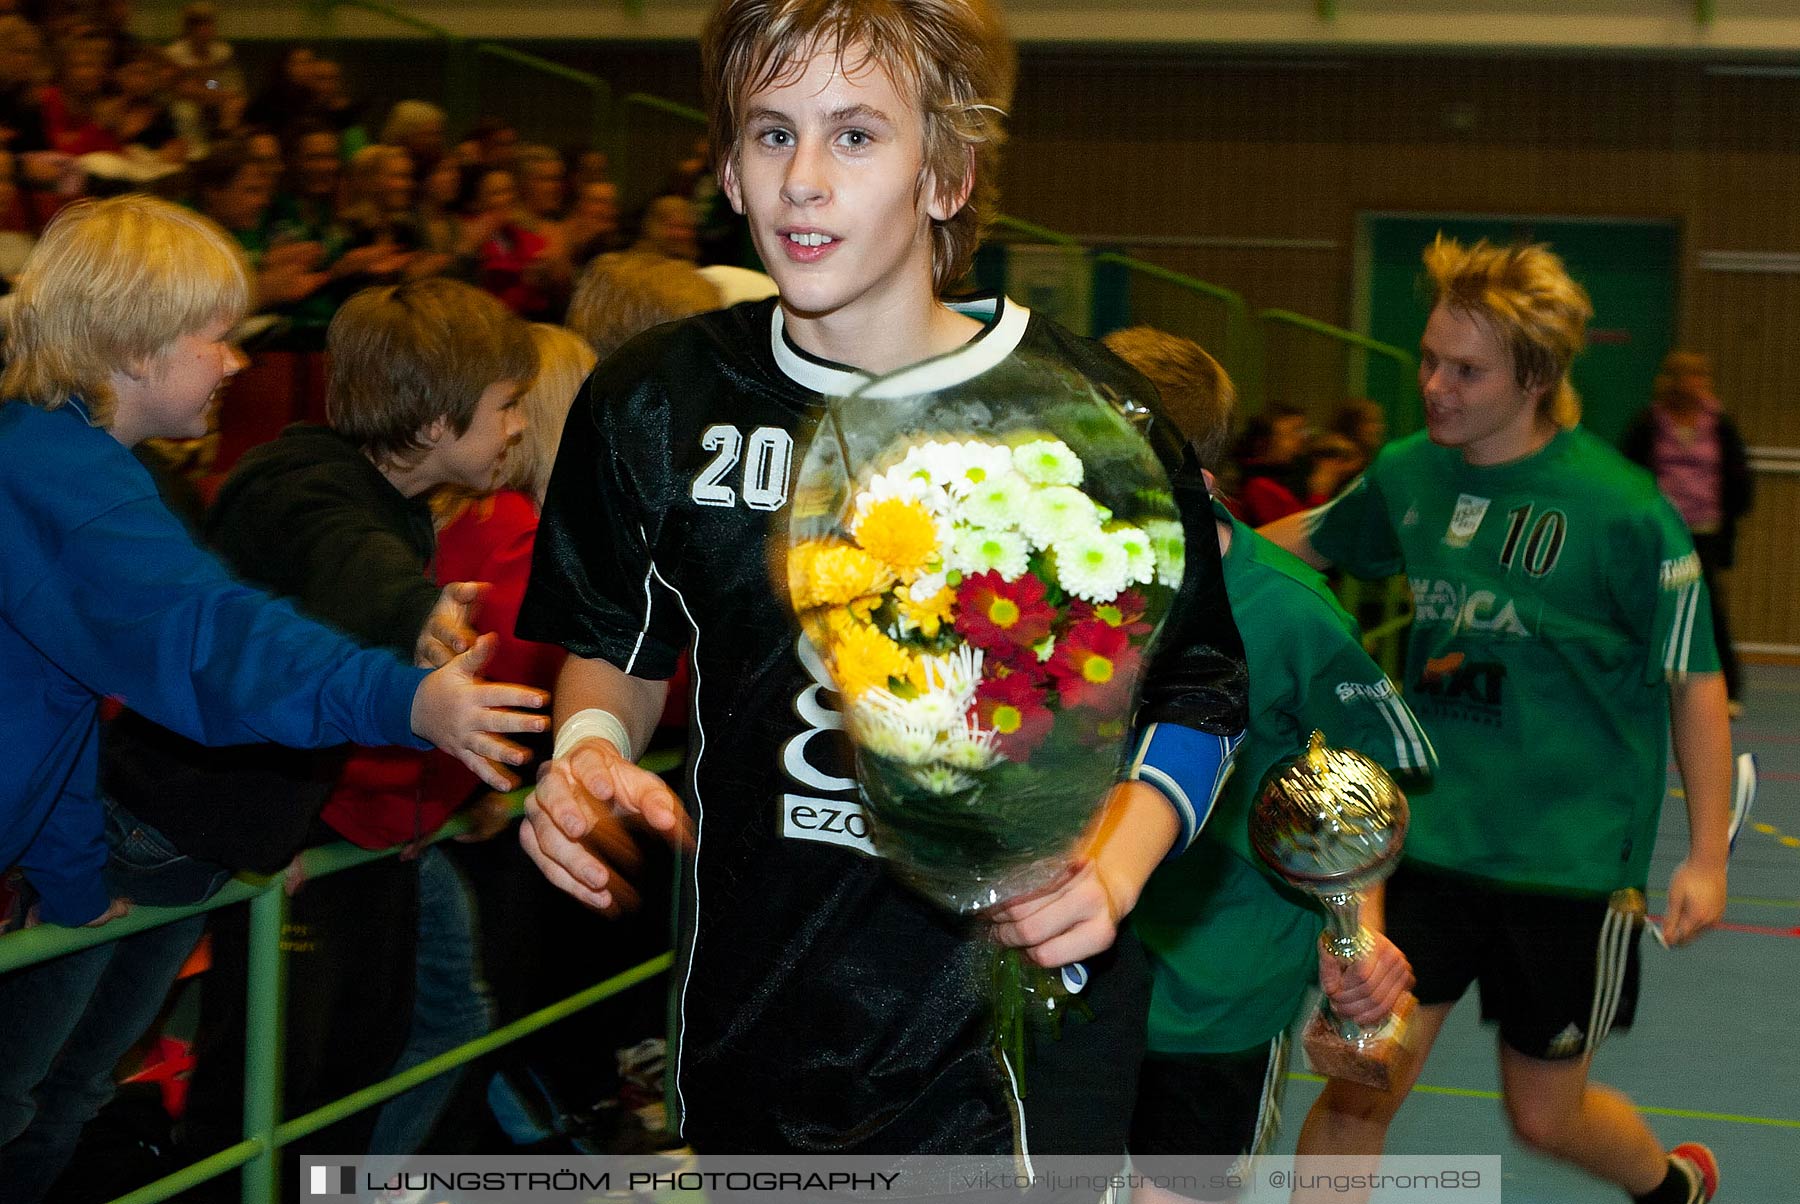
pixel 1188 766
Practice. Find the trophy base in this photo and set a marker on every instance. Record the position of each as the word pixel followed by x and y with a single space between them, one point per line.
pixel 1379 1060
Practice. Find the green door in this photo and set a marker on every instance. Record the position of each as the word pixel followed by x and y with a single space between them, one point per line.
pixel 1627 267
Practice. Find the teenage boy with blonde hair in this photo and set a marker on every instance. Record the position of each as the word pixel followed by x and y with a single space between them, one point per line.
pixel 118 334
pixel 1560 620
pixel 859 138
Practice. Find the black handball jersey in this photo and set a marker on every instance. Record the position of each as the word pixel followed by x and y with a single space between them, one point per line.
pixel 821 1006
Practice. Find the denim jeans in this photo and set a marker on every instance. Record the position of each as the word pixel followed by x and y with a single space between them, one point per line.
pixel 450 1006
pixel 64 1024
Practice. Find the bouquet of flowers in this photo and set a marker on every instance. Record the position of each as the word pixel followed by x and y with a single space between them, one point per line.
pixel 983 569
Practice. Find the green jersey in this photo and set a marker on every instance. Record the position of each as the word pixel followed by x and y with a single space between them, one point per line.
pixel 1554 596
pixel 1233 950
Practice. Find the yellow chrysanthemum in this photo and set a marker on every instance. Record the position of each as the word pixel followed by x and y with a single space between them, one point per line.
pixel 832 574
pixel 863 658
pixel 899 533
pixel 930 613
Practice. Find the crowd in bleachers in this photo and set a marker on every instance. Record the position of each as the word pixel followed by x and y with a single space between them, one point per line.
pixel 323 195
pixel 327 202
pixel 449 290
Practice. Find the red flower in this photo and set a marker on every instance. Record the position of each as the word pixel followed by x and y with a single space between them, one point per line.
pixel 1126 612
pixel 1013 707
pixel 1094 665
pixel 1001 615
pixel 1021 663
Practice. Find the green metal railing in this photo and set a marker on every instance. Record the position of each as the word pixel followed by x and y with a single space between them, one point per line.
pixel 265 1133
pixel 1241 354
pixel 1355 378
pixel 600 107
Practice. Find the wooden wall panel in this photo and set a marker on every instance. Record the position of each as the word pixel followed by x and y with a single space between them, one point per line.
pixel 1183 147
pixel 1765 606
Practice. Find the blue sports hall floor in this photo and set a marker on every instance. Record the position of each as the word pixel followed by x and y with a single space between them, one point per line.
pixel 1715 1053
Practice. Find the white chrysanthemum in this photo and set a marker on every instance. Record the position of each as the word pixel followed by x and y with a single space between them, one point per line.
pixel 996 502
pixel 1140 557
pixel 941 779
pixel 980 463
pixel 888 735
pixel 1056 515
pixel 983 550
pixel 1169 542
pixel 970 747
pixel 930 581
pixel 898 483
pixel 958 669
pixel 950 682
pixel 1045 648
pixel 938 462
pixel 1092 567
pixel 1047 462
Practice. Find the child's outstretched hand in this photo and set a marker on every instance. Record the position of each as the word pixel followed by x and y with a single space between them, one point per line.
pixel 448 630
pixel 460 713
pixel 575 825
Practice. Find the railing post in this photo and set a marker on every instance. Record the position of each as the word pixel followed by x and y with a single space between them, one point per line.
pixel 264 1038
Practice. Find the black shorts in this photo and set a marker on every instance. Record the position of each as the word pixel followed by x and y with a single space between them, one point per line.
pixel 1557 972
pixel 1207 1113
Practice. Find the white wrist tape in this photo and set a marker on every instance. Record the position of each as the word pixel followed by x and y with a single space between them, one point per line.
pixel 592 722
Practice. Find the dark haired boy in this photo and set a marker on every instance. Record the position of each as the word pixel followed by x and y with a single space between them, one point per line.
pixel 423 392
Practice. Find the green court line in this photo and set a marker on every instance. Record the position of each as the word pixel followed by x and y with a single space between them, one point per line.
pixel 1745 900
pixel 1679 1113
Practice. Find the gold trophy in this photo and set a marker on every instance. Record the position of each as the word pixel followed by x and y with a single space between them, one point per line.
pixel 1331 823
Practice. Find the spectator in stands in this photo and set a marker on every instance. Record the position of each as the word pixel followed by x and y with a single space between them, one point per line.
pixel 21 50
pixel 379 211
pixel 417 127
pixel 264 150
pixel 541 177
pixel 112 21
pixel 315 169
pixel 669 228
pixel 337 108
pixel 306 212
pixel 491 143
pixel 237 193
pixel 592 227
pixel 137 113
pixel 378 188
pixel 1364 423
pixel 526 268
pixel 626 292
pixel 72 105
pixel 440 218
pixel 290 95
pixel 200 48
pixel 1268 457
pixel 1332 462
pixel 1701 464
pixel 586 165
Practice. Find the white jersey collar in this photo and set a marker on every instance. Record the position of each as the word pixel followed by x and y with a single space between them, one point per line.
pixel 1003 327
